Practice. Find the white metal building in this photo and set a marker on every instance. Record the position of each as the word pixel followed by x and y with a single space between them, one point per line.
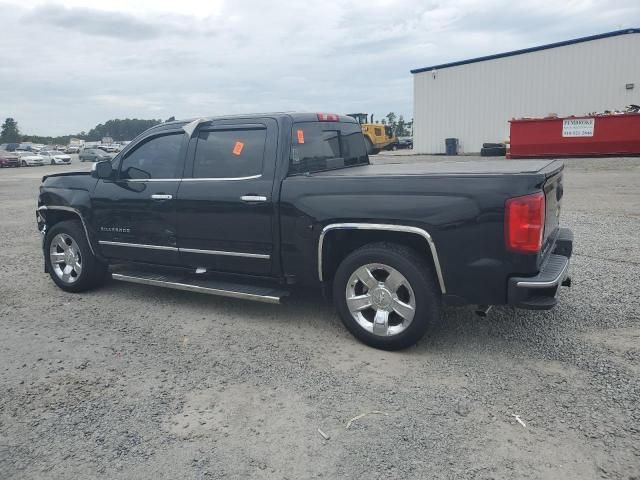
pixel 473 100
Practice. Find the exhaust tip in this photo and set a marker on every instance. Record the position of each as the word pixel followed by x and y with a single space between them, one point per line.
pixel 483 310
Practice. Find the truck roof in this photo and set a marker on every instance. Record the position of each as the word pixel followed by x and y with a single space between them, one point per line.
pixel 294 116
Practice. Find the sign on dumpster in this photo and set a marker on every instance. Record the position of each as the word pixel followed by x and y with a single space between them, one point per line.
pixel 578 127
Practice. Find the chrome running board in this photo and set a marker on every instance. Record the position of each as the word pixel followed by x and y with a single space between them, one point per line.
pixel 199 284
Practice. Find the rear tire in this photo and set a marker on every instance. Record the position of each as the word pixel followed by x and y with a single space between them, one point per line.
pixel 70 262
pixel 402 299
pixel 24 163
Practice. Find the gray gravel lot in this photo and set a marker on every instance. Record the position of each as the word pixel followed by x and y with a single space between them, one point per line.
pixel 140 382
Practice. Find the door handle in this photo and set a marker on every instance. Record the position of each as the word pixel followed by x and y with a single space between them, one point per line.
pixel 161 196
pixel 253 198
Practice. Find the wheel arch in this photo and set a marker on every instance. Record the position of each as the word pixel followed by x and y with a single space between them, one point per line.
pixel 58 213
pixel 337 240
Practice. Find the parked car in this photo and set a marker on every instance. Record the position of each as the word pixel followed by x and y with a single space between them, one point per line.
pixel 72 149
pixel 56 158
pixel 9 147
pixel 30 159
pixel 248 206
pixel 9 159
pixel 108 148
pixel 402 143
pixel 93 155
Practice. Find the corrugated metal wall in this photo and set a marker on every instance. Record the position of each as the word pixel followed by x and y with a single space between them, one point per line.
pixel 474 102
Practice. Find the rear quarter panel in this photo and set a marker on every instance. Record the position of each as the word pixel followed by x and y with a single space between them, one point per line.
pixel 463 214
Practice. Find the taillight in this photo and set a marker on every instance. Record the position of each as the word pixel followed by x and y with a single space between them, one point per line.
pixel 327 117
pixel 524 223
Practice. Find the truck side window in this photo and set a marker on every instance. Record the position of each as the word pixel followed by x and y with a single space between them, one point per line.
pixel 316 144
pixel 156 158
pixel 229 153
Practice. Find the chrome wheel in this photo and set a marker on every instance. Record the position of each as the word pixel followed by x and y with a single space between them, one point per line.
pixel 65 257
pixel 380 299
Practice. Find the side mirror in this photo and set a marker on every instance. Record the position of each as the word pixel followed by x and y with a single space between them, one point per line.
pixel 103 170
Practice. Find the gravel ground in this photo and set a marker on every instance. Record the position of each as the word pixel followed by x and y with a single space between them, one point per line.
pixel 140 382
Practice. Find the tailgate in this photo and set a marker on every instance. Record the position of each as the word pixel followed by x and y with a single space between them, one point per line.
pixel 553 192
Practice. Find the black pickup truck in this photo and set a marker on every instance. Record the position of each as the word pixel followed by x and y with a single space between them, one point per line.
pixel 249 206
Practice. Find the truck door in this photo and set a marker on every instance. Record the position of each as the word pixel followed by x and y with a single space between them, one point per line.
pixel 225 208
pixel 135 213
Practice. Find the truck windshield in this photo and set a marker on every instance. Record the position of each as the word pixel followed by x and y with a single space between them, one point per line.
pixel 319 146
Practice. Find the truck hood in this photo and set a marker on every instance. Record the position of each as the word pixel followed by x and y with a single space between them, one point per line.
pixel 67 174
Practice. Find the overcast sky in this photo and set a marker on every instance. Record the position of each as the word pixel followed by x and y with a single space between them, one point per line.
pixel 67 65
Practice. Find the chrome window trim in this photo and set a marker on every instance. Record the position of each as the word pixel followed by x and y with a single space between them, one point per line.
pixel 225 253
pixel 190 179
pixel 137 245
pixel 73 210
pixel 186 250
pixel 220 179
pixel 144 180
pixel 385 227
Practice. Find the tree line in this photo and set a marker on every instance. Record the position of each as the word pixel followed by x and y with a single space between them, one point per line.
pixel 400 126
pixel 118 129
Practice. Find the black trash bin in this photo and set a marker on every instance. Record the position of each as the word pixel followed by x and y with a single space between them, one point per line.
pixel 451 146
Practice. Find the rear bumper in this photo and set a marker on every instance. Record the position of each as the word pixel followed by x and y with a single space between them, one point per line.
pixel 540 292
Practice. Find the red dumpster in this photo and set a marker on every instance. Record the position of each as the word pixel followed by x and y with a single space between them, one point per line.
pixel 576 136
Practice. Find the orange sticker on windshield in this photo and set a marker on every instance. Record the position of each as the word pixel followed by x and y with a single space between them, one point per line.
pixel 237 148
pixel 300 136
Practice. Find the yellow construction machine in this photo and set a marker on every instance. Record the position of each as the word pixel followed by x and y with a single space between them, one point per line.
pixel 377 136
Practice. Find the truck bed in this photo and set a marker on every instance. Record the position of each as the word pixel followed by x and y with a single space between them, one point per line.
pixel 473 168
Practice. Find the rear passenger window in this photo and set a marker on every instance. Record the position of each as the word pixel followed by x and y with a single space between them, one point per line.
pixel 229 153
pixel 319 146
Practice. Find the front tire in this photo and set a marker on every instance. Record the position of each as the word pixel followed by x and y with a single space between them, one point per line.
pixel 24 163
pixel 70 262
pixel 369 146
pixel 386 295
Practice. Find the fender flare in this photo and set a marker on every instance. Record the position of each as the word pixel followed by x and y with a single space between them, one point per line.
pixel 76 212
pixel 385 227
